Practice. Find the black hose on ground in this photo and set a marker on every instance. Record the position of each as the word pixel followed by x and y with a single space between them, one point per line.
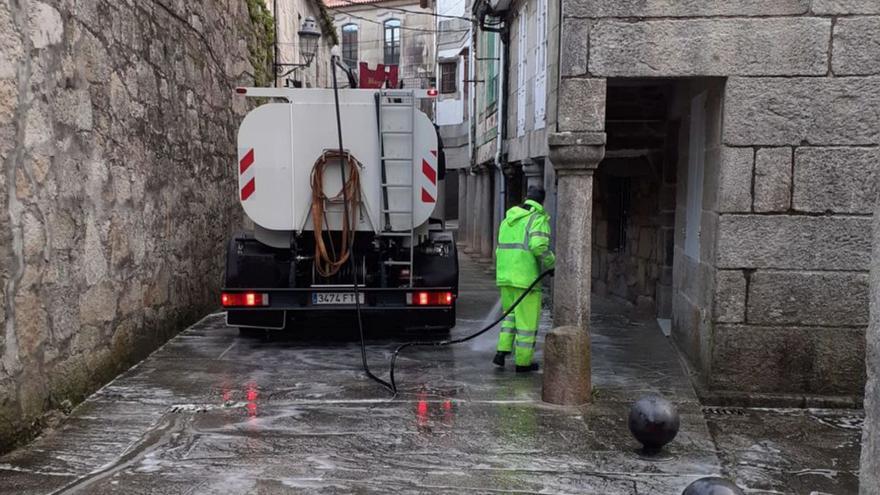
pixel 441 343
pixel 392 385
pixel 351 257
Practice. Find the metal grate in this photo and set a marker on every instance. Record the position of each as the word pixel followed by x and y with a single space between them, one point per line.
pixel 724 411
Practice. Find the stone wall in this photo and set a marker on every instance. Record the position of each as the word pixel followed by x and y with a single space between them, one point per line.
pixel 784 276
pixel 869 481
pixel 117 192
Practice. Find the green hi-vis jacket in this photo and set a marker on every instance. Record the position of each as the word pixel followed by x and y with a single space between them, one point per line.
pixel 523 250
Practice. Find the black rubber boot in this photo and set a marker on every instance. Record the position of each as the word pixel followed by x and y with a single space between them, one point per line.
pixel 499 358
pixel 527 369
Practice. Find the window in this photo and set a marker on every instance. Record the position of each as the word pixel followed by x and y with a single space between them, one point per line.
pixel 617 211
pixel 350 44
pixel 491 69
pixel 448 83
pixel 521 65
pixel 392 42
pixel 540 56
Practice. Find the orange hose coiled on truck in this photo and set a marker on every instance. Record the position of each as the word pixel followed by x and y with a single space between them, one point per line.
pixel 326 263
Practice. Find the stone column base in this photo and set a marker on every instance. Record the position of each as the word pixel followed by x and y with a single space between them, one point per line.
pixel 567 374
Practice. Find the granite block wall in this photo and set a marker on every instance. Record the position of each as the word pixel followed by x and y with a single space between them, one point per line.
pixel 778 304
pixel 117 191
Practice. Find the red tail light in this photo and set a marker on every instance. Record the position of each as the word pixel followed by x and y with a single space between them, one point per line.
pixel 432 92
pixel 241 91
pixel 430 298
pixel 244 299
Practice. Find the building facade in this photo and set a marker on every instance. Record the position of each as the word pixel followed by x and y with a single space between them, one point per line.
pixel 732 154
pixel 397 33
pixel 454 100
pixel 289 16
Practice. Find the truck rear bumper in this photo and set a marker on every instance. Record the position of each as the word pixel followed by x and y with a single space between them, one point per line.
pixel 281 306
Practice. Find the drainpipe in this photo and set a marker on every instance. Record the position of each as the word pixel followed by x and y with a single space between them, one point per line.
pixel 472 100
pixel 502 106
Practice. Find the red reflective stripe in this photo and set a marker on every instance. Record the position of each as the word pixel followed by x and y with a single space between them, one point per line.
pixel 426 198
pixel 246 161
pixel 247 190
pixel 429 172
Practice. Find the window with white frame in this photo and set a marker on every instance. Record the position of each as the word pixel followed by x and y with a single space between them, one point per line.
pixel 392 42
pixel 350 44
pixel 540 93
pixel 522 47
pixel 448 81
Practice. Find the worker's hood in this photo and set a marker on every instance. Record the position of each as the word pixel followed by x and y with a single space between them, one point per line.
pixel 517 213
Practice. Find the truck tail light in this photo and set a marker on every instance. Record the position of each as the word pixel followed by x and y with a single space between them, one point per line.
pixel 244 299
pixel 430 298
pixel 432 92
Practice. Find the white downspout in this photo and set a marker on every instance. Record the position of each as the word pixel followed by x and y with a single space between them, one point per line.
pixel 472 96
pixel 502 185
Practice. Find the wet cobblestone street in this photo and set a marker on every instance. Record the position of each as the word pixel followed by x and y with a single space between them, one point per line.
pixel 213 412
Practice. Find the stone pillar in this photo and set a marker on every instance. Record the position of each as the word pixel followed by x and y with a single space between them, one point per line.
pixel 487 206
pixel 533 172
pixel 870 470
pixel 472 193
pixel 567 373
pixel 575 155
pixel 463 213
pixel 474 246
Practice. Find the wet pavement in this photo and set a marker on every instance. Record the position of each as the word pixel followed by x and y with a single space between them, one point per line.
pixel 213 412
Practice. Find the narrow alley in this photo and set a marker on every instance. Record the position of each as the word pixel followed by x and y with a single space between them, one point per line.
pixel 220 221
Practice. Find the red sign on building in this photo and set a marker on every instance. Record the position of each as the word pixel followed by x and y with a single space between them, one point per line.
pixel 382 76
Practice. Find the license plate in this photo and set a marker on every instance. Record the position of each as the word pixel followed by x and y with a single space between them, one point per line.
pixel 336 298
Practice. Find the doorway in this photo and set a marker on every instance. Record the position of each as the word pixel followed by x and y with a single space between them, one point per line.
pixel 649 236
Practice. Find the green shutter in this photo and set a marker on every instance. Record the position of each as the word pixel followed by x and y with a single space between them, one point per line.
pixel 491 70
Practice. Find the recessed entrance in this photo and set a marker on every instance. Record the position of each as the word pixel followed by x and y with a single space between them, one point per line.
pixel 651 225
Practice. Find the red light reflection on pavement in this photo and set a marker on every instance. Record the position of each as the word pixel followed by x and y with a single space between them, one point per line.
pixel 252 395
pixel 440 412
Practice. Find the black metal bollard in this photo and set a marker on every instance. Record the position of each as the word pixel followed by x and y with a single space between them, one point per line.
pixel 712 486
pixel 654 421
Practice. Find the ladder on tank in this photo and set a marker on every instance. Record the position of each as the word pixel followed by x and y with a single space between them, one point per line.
pixel 395 114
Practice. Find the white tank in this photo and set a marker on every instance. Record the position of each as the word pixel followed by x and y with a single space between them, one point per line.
pixel 279 143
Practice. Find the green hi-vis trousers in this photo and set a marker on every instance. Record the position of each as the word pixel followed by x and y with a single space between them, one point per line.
pixel 519 329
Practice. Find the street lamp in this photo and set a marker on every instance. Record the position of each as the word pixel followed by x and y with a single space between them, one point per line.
pixel 308 34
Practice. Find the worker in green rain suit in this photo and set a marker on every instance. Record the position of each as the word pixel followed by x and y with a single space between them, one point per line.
pixel 523 253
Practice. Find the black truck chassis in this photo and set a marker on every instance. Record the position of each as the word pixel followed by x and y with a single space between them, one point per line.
pixel 271 288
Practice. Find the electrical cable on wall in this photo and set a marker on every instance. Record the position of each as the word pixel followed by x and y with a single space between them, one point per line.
pixel 415 12
pixel 404 28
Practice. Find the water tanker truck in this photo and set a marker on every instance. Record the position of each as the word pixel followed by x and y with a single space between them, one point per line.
pixel 325 219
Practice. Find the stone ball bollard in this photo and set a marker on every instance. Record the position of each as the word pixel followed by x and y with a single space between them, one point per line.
pixel 712 486
pixel 654 422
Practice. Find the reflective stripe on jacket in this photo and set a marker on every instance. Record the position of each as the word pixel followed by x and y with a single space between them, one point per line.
pixel 523 250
